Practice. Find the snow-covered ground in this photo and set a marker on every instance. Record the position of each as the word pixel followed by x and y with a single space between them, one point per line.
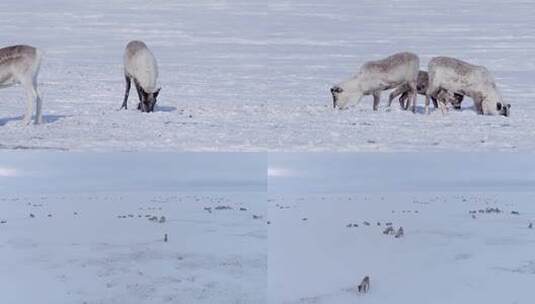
pixel 103 248
pixel 445 256
pixel 88 228
pixel 255 75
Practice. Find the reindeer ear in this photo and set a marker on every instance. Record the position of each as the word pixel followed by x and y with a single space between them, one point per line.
pixel 157 93
pixel 508 105
pixel 498 106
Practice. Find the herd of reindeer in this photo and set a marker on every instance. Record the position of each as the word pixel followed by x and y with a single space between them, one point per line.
pixel 447 81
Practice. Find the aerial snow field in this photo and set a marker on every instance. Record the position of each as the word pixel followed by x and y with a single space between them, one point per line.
pixel 255 75
pixel 110 248
pixel 321 248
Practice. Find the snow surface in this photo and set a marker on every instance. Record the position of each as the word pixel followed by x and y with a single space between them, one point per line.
pixel 446 256
pixel 255 75
pixel 101 248
pixel 76 228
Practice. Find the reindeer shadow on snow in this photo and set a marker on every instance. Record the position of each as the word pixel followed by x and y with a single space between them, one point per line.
pixel 165 109
pixel 45 119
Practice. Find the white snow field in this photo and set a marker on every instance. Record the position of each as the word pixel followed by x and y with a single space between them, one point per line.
pixel 255 75
pixel 104 248
pixel 445 255
pixel 90 228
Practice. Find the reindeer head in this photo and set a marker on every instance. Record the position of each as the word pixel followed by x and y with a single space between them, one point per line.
pixel 503 109
pixel 148 101
pixel 335 91
pixel 340 97
pixel 456 101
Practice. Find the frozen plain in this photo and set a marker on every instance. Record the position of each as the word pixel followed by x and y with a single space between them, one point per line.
pixel 445 256
pixel 88 228
pixel 102 248
pixel 255 75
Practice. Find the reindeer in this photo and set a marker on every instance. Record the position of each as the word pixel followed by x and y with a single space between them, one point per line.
pixel 20 64
pixel 377 76
pixel 400 233
pixel 421 87
pixel 476 82
pixel 141 67
pixel 364 285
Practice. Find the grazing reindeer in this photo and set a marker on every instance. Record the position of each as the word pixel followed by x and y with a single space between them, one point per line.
pixel 20 64
pixel 476 82
pixel 141 67
pixel 400 233
pixel 421 87
pixel 389 230
pixel 364 285
pixel 377 76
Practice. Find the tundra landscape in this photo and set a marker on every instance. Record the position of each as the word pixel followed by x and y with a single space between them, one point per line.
pixel 442 230
pixel 456 248
pixel 182 228
pixel 133 248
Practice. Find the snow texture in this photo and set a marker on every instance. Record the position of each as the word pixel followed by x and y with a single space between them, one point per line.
pixel 465 217
pixel 447 254
pixel 106 248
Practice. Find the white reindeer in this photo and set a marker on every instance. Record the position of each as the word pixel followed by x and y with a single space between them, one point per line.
pixel 20 64
pixel 476 82
pixel 140 66
pixel 377 76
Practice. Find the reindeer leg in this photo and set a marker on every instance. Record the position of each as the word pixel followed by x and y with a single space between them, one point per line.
pixel 413 95
pixel 430 95
pixel 376 100
pixel 139 94
pixel 126 93
pixel 404 101
pixel 38 104
pixel 435 102
pixel 478 105
pixel 29 105
pixel 398 91
pixel 443 104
